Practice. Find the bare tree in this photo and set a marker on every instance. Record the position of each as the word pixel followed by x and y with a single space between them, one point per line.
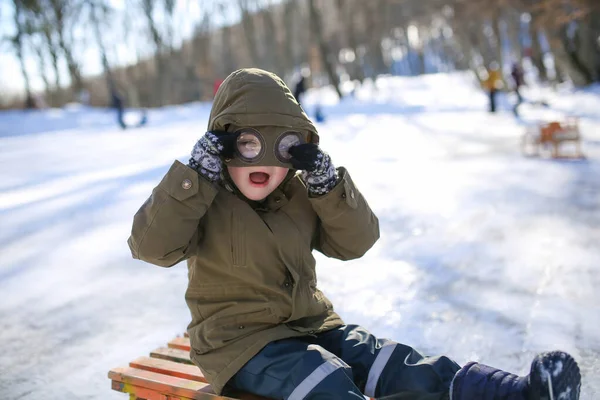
pixel 59 10
pixel 53 49
pixel 228 56
pixel 326 57
pixel 159 47
pixel 512 17
pixel 18 41
pixel 289 27
pixel 374 11
pixel 98 13
pixel 272 39
pixel 356 36
pixel 249 30
pixel 39 48
pixel 348 12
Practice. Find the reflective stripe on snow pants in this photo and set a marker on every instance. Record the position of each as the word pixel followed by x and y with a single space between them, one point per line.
pixel 295 369
pixel 316 377
pixel 377 368
pixel 343 363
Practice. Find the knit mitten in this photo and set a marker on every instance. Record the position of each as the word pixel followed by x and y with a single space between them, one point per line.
pixel 553 376
pixel 318 172
pixel 207 153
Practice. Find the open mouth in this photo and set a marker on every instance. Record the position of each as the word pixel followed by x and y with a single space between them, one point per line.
pixel 259 179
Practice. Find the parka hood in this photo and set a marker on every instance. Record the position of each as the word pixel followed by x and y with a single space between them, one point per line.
pixel 252 97
pixel 255 99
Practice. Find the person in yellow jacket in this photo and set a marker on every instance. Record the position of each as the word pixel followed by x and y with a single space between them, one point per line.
pixel 493 83
pixel 257 196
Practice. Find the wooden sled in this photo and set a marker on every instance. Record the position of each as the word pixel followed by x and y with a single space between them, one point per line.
pixel 550 136
pixel 168 374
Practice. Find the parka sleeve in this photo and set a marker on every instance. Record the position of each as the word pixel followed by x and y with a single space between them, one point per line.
pixel 348 227
pixel 165 229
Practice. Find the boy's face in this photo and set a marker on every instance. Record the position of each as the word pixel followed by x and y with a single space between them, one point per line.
pixel 256 183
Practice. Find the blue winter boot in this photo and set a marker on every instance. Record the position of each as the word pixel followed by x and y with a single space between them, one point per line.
pixel 553 376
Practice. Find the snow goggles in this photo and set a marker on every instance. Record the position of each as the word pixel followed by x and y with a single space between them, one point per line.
pixel 268 146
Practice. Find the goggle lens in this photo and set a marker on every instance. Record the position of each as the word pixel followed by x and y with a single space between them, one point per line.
pixel 284 143
pixel 249 145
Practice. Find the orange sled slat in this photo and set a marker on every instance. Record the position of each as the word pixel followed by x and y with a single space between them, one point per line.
pixel 181 343
pixel 166 367
pixel 176 355
pixel 165 385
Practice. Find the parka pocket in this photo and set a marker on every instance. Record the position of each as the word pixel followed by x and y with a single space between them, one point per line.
pixel 216 332
pixel 316 302
pixel 238 240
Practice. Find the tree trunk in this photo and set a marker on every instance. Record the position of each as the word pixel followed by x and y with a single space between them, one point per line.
pixel 475 33
pixel 74 73
pixel 274 46
pixel 39 50
pixel 563 60
pixel 513 23
pixel 228 57
pixel 460 44
pixel 202 62
pixel 249 33
pixel 289 11
pixel 161 73
pixel 537 57
pixel 130 72
pixel 18 40
pixel 347 12
pixel 59 7
pixel 467 42
pixel 374 26
pixel 315 23
pixel 100 43
pixel 497 37
pixel 585 51
pixel 50 45
pixel 594 19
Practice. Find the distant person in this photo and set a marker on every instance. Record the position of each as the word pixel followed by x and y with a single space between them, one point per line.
pixel 492 84
pixel 84 97
pixel 117 104
pixel 518 81
pixel 256 198
pixel 144 118
pixel 319 116
pixel 35 101
pixel 29 104
pixel 300 88
pixel 40 101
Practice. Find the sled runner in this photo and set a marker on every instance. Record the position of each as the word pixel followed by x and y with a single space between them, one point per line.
pixel 168 374
pixel 552 135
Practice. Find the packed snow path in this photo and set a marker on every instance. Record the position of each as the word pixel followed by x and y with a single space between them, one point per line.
pixel 484 254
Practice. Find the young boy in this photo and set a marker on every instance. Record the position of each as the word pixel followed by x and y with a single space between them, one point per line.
pixel 257 197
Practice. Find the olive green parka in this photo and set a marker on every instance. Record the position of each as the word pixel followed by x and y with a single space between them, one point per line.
pixel 251 271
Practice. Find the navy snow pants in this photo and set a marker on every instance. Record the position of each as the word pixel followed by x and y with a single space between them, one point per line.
pixel 344 363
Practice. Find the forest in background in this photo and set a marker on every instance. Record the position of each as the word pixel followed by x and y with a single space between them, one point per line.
pixel 330 41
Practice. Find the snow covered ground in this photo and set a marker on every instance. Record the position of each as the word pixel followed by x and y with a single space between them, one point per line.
pixel 484 254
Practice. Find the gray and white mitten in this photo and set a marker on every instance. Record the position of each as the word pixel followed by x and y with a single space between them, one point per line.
pixel 318 171
pixel 206 155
